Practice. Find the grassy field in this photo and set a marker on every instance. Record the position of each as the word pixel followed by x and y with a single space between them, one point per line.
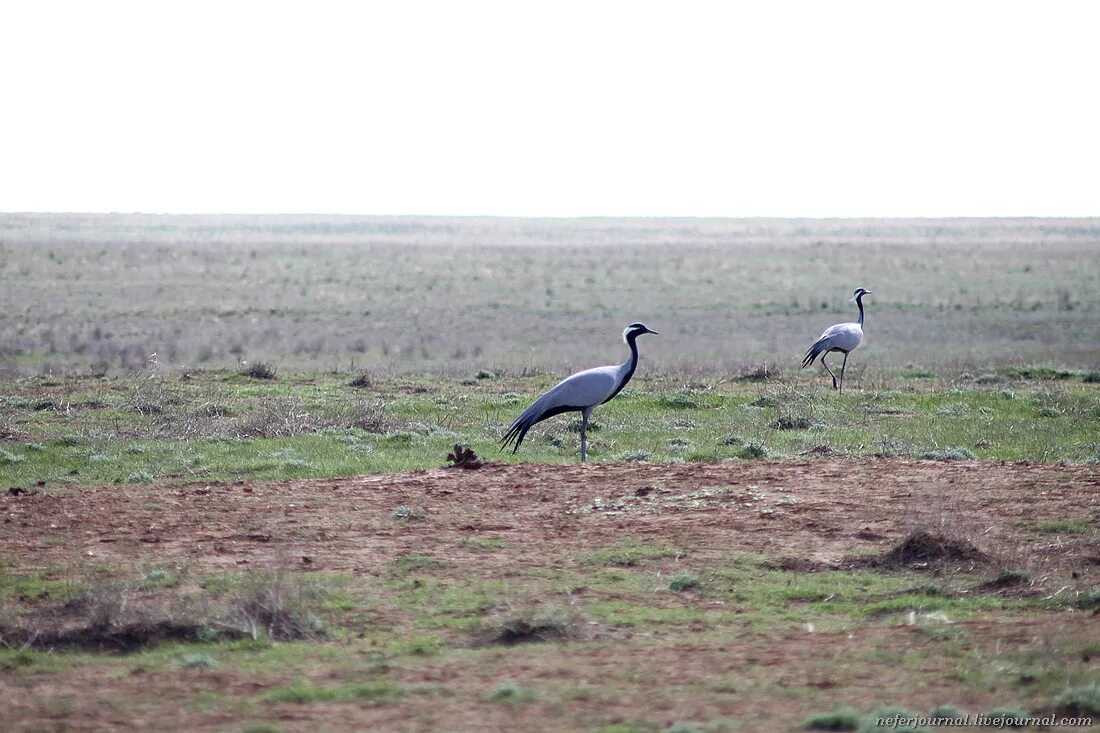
pixel 453 296
pixel 253 530
pixel 222 426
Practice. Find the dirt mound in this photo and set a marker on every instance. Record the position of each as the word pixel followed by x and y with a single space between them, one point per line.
pixel 546 624
pixel 923 548
pixel 128 638
pixel 1004 580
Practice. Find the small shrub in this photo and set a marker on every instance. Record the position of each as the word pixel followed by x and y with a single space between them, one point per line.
pixel 684 582
pixel 839 719
pixel 160 578
pixel 16 660
pixel 400 437
pixel 753 451
pixel 511 693
pixel 195 661
pixel 140 477
pixel 1091 378
pixel 1079 700
pixel 731 440
pixel 484 374
pixel 274 606
pixel 408 513
pixel 1088 600
pixel 362 380
pixel 7 458
pixel 259 370
pixel 793 422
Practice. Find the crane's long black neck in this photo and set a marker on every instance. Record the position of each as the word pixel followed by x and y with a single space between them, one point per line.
pixel 631 364
pixel 859 302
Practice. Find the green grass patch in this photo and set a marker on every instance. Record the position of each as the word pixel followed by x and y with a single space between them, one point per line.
pixel 628 553
pixel 304 693
pixel 1062 526
pixel 223 427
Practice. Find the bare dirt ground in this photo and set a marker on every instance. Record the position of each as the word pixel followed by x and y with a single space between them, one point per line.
pixel 819 510
pixel 810 514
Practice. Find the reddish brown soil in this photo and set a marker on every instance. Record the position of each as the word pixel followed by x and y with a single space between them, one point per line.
pixel 817 510
pixel 815 513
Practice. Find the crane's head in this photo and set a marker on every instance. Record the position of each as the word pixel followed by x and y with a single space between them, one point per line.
pixel 634 330
pixel 859 293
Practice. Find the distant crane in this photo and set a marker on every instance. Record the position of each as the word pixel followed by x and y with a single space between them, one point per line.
pixel 582 392
pixel 843 337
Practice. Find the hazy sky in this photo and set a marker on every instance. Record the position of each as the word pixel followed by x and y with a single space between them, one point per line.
pixel 552 109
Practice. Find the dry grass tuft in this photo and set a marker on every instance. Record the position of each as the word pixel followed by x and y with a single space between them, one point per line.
pixel 127 618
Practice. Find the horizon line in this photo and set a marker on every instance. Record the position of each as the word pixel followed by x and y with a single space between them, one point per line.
pixel 952 217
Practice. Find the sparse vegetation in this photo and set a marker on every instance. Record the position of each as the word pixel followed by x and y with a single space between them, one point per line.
pixel 511 693
pixel 948 454
pixel 684 582
pixel 689 582
pixel 304 693
pixel 839 719
pixel 547 623
pixel 1007 717
pixel 259 370
pixel 408 513
pixel 1079 700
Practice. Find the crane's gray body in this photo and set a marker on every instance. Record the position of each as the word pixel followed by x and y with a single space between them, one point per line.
pixel 581 392
pixel 843 337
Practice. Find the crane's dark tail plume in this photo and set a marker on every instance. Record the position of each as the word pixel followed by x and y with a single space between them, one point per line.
pixel 516 433
pixel 813 353
pixel 532 415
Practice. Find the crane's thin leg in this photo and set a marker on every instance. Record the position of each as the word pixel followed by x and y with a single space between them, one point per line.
pixel 828 369
pixel 584 433
pixel 842 368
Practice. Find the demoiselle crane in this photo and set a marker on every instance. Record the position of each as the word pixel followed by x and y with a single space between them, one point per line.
pixel 582 392
pixel 843 337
